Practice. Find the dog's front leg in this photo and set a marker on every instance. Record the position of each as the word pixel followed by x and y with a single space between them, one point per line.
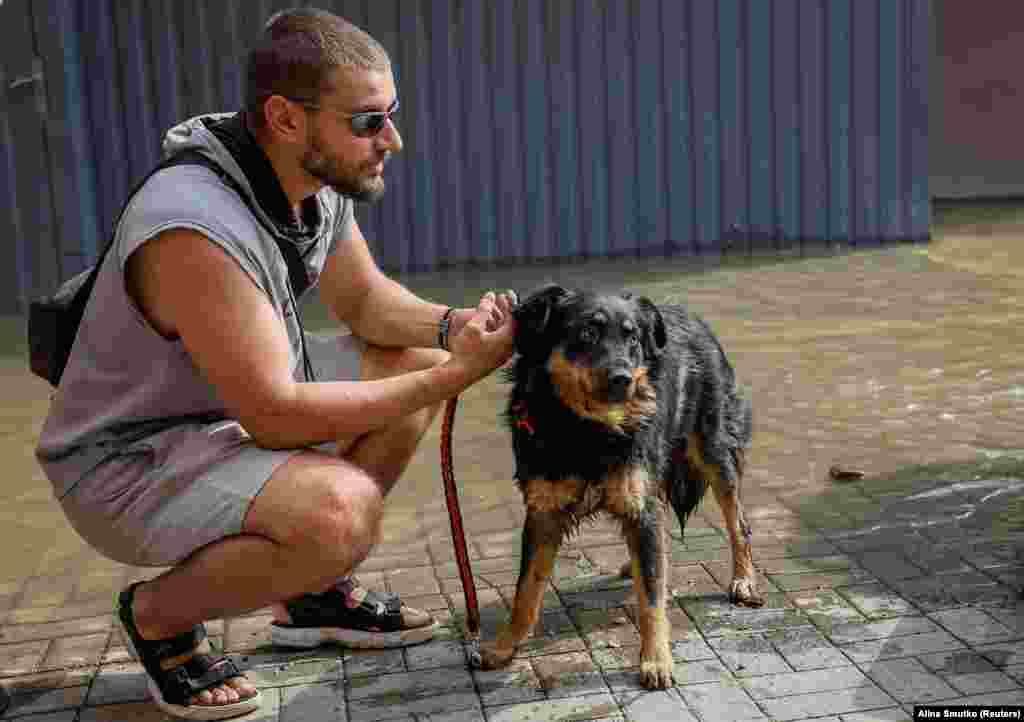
pixel 542 536
pixel 648 548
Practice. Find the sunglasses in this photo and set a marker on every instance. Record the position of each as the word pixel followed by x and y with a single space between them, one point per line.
pixel 363 125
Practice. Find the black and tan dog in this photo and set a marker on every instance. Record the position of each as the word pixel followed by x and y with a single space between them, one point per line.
pixel 623 407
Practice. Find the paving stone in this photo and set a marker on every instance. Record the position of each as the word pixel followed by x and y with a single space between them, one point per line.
pixel 716 616
pixel 118 683
pixel 1003 654
pixel 939 561
pixel 38 702
pixel 749 655
pixel 875 601
pixel 655 706
pixel 295 672
pixel 721 701
pixel 515 683
pixel 613 658
pixel 801 548
pixel 569 675
pixel 16 633
pixel 22 658
pixel 47 591
pixel 1016 671
pixel 973 626
pixel 372 662
pixel 807 565
pixel 1011 617
pixel 893 714
pixel 605 627
pixel 901 646
pixel 825 608
pixel 75 652
pixel 409 685
pixel 867 631
pixel 433 654
pixel 790 683
pixel 806 648
pixel 706 670
pixel 691 650
pixel 577 709
pixel 821 580
pixel 943 592
pixel 990 699
pixel 907 680
pixel 149 712
pixel 981 682
pixel 55 679
pixel 956 662
pixel 313 703
pixel 70 715
pixel 888 566
pixel 242 634
pixel 554 634
pixel 819 704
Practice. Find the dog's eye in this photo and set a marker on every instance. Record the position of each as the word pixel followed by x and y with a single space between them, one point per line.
pixel 634 339
pixel 588 334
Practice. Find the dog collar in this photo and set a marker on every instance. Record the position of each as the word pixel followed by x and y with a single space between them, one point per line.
pixel 521 418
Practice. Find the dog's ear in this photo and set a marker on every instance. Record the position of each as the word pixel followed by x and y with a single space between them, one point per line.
pixel 656 337
pixel 533 315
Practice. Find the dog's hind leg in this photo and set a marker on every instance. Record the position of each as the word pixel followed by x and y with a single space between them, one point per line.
pixel 648 545
pixel 542 537
pixel 725 477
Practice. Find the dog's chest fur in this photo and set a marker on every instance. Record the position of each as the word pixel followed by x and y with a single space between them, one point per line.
pixel 622 493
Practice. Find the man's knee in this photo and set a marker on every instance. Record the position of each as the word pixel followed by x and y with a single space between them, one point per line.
pixel 324 507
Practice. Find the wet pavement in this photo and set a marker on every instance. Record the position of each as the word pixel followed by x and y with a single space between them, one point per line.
pixel 900 588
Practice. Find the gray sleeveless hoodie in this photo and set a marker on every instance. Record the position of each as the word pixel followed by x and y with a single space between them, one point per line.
pixel 124 381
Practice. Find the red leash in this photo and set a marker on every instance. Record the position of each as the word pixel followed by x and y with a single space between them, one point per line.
pixel 451 496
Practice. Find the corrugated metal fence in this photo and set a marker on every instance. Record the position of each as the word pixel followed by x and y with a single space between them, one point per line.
pixel 533 128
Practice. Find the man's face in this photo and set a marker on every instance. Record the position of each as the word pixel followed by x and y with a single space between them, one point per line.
pixel 349 163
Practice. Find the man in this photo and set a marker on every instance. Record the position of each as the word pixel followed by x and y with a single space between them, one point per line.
pixel 183 435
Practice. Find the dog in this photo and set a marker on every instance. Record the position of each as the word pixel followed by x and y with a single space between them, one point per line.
pixel 620 406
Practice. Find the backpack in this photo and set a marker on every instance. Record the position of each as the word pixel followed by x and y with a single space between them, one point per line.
pixel 53 320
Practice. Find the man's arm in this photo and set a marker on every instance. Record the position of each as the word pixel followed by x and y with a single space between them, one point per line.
pixel 188 287
pixel 377 308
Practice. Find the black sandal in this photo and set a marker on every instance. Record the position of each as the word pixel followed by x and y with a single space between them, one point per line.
pixel 171 689
pixel 376 622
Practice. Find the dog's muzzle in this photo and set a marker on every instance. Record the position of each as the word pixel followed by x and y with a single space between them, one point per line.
pixel 619 381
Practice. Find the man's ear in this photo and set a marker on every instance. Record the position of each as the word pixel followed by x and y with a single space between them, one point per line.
pixel 533 315
pixel 655 336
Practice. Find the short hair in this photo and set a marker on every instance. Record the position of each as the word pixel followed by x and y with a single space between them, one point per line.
pixel 296 53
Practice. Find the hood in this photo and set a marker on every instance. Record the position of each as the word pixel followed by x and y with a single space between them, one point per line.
pixel 224 138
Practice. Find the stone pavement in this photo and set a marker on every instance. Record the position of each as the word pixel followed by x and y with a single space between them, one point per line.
pixel 898 589
pixel 858 626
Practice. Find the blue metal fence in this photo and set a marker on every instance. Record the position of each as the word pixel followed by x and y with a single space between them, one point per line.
pixel 533 128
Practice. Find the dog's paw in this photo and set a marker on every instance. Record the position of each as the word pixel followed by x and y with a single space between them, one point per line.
pixel 657 673
pixel 743 592
pixel 494 657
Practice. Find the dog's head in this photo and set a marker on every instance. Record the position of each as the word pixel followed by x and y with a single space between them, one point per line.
pixel 598 349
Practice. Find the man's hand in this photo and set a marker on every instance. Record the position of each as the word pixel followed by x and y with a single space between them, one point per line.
pixel 504 303
pixel 482 340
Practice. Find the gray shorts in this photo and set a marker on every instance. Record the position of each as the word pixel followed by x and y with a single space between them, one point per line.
pixel 178 490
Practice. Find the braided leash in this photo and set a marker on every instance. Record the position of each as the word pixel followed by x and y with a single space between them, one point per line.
pixel 451 496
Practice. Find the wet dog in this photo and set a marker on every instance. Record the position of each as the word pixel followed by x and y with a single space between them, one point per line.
pixel 624 407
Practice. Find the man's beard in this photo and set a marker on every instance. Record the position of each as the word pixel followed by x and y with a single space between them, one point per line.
pixel 363 188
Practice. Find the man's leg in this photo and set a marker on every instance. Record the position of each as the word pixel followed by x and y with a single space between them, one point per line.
pixel 313 522
pixel 384 455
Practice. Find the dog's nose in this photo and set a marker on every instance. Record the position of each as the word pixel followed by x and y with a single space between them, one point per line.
pixel 618 384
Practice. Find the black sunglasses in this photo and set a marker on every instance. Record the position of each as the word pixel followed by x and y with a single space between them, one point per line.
pixel 364 125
